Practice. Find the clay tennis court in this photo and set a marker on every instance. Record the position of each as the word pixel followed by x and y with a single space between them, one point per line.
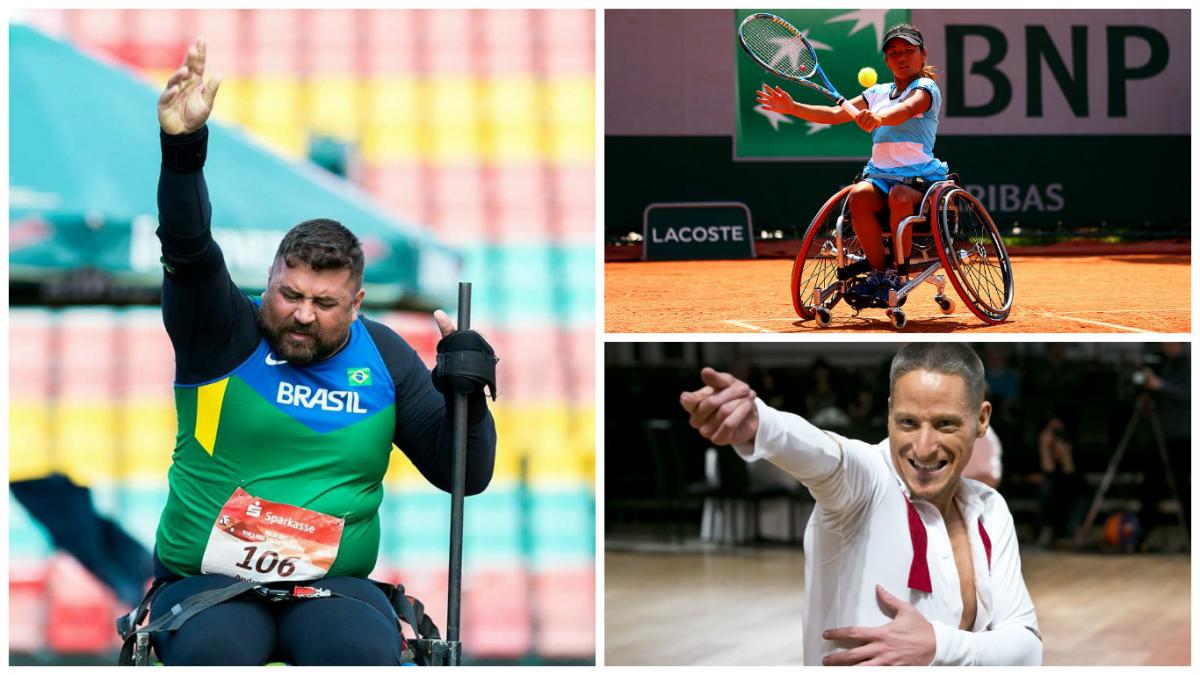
pixel 1117 293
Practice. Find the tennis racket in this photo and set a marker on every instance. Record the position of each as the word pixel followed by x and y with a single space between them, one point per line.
pixel 777 46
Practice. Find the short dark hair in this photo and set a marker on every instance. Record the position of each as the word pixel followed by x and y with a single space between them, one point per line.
pixel 947 358
pixel 323 244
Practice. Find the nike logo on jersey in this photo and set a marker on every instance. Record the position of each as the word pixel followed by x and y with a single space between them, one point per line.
pixel 272 362
pixel 303 396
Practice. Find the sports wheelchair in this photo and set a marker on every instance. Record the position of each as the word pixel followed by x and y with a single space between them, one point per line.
pixel 951 231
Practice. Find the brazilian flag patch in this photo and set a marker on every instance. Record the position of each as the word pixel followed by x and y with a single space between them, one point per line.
pixel 358 377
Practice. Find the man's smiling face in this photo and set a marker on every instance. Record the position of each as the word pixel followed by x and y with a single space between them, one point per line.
pixel 932 428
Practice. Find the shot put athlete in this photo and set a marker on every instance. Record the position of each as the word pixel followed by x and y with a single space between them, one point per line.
pixel 288 406
pixel 906 562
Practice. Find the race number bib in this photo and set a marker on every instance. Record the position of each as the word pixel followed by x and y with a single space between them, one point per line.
pixel 257 540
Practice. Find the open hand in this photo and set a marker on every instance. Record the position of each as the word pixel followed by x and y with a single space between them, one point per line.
pixel 187 101
pixel 723 410
pixel 776 100
pixel 906 640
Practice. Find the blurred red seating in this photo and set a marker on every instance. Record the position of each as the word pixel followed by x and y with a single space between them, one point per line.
pixel 564 611
pixel 81 611
pixel 497 616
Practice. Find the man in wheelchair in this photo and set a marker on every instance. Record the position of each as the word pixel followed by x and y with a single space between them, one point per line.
pixel 902 118
pixel 289 405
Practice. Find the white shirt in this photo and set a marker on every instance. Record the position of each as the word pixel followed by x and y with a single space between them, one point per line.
pixel 859 536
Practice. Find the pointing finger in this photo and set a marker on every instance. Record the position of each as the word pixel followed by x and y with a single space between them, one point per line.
pixel 690 399
pixel 716 380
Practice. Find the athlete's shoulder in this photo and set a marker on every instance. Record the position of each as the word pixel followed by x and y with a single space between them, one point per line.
pixel 928 85
pixel 386 340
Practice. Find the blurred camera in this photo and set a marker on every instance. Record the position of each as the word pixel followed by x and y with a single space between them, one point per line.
pixel 1150 360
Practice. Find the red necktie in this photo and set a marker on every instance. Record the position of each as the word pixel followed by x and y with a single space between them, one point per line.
pixel 918 572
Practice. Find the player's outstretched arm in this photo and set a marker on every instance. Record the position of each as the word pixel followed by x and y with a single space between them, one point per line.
pixel 187 100
pixel 777 100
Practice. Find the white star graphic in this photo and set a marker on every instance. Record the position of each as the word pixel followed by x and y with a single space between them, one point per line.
pixel 790 48
pixel 773 117
pixel 814 128
pixel 863 18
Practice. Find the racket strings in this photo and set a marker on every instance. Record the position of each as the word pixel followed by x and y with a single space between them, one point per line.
pixel 779 48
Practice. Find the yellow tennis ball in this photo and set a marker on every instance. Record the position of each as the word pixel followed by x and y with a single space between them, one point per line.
pixel 867 77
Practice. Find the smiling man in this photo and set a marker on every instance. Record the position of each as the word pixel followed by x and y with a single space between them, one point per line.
pixel 907 563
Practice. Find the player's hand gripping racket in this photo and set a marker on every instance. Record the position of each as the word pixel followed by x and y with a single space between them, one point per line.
pixel 777 46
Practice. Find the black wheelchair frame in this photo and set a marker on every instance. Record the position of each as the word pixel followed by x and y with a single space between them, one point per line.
pixel 967 248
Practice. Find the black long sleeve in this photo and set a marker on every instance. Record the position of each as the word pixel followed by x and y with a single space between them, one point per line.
pixel 424 424
pixel 211 323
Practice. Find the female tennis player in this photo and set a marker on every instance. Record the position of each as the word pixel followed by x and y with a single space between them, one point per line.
pixel 901 117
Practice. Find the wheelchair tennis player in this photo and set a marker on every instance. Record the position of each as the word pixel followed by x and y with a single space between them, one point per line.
pixel 902 118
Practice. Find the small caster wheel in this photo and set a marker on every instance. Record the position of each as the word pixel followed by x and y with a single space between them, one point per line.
pixel 899 321
pixel 947 304
pixel 824 317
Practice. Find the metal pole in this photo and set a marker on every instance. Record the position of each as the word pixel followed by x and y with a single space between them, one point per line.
pixel 453 604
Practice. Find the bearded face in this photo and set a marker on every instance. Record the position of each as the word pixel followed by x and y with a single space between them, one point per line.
pixel 305 314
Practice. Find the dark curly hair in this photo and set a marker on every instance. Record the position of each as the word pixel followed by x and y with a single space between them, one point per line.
pixel 323 244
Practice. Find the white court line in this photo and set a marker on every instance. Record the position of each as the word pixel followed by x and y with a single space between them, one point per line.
pixel 1122 311
pixel 1098 323
pixel 882 319
pixel 750 326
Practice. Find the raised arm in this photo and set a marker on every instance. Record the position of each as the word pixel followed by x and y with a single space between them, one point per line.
pixel 210 322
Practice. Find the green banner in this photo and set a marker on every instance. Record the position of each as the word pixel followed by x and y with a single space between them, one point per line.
pixel 846 40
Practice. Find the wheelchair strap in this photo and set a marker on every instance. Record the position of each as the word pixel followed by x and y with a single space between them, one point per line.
pixel 136 641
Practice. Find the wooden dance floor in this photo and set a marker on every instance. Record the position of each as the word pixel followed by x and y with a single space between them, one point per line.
pixel 699 609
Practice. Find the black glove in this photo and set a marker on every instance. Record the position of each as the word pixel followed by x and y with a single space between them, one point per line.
pixel 466 364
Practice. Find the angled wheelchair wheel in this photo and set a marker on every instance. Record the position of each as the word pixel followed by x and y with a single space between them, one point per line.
pixel 973 255
pixel 816 265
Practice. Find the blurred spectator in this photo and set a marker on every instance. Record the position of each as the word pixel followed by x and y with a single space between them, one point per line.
pixel 1061 495
pixel 1003 384
pixel 985 465
pixel 820 395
